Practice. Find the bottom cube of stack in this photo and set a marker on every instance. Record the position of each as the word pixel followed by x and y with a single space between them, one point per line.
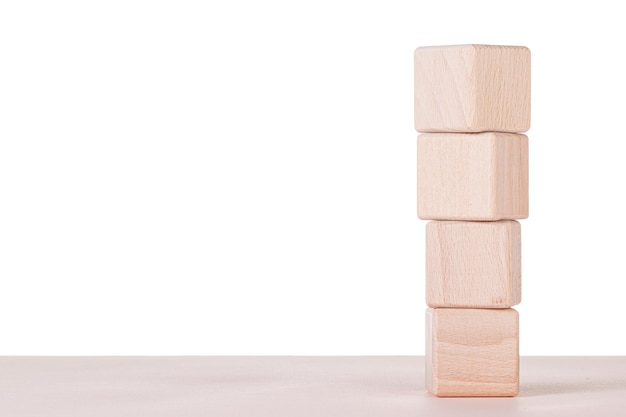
pixel 472 352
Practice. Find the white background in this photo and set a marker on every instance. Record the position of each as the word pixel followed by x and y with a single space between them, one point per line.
pixel 185 177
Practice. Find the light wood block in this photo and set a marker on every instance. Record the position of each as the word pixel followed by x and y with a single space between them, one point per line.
pixel 480 176
pixel 473 264
pixel 472 88
pixel 472 352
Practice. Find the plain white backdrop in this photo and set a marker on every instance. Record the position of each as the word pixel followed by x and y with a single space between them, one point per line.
pixel 183 177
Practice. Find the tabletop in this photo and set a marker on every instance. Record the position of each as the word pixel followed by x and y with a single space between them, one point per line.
pixel 276 386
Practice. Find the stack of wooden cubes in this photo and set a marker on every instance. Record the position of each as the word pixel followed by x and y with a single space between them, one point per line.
pixel 471 103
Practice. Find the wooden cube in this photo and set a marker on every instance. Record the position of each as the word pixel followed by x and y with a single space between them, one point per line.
pixel 472 88
pixel 473 264
pixel 472 352
pixel 479 176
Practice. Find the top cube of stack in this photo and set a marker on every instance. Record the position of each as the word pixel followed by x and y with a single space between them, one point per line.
pixel 472 88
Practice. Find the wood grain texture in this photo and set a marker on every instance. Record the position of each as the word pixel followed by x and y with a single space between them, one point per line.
pixel 472 88
pixel 472 352
pixel 473 264
pixel 474 176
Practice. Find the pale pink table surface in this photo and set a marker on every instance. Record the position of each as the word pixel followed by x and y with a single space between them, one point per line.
pixel 389 386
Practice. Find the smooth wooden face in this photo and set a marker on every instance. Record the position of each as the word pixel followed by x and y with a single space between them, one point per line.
pixel 472 352
pixel 473 176
pixel 472 88
pixel 473 264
